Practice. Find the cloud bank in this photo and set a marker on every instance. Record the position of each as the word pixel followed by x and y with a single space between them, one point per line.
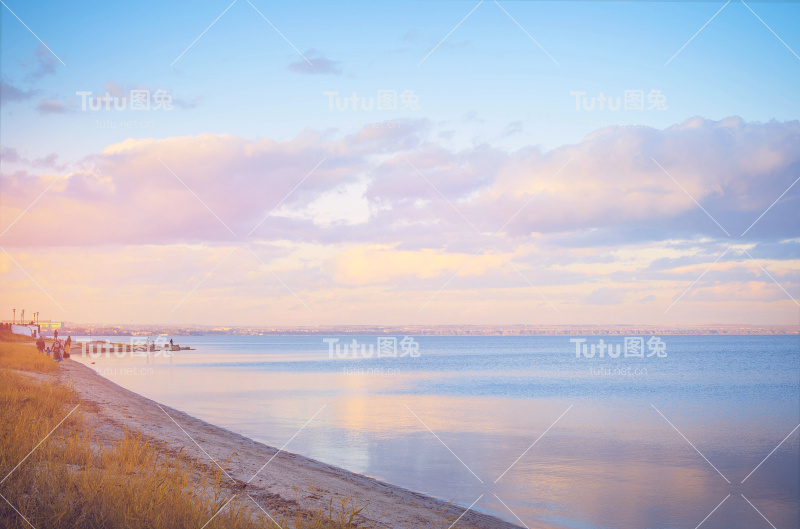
pixel 383 222
pixel 618 185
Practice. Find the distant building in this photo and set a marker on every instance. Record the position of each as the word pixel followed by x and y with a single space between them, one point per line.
pixel 42 324
pixel 29 329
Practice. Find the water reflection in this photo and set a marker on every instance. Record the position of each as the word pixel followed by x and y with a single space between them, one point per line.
pixel 611 461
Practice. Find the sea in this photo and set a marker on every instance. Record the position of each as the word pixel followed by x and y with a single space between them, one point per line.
pixel 630 433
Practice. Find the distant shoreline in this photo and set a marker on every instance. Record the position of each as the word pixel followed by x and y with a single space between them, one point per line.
pixel 432 330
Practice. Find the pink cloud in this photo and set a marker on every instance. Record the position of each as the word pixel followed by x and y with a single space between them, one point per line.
pixel 608 183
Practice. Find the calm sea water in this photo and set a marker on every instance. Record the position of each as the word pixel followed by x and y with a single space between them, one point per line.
pixel 541 437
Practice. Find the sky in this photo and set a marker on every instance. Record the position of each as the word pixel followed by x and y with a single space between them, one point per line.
pixel 319 163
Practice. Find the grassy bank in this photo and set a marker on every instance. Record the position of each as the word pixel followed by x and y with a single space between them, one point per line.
pixel 8 336
pixel 73 481
pixel 24 357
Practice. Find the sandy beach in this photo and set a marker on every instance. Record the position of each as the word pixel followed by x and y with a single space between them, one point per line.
pixel 288 483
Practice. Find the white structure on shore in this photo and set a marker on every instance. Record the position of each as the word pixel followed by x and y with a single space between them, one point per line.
pixel 25 330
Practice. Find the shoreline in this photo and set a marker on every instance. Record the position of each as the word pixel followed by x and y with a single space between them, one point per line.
pixel 108 330
pixel 288 483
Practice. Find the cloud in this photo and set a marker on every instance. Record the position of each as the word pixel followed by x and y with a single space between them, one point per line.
pixel 399 187
pixel 51 106
pixel 45 64
pixel 605 296
pixel 10 154
pixel 12 94
pixel 373 225
pixel 319 65
pixel 187 104
pixel 515 127
pixel 381 264
pixel 472 117
pixel 608 189
pixel 126 193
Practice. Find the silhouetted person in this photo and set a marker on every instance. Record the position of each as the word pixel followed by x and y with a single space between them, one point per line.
pixel 57 350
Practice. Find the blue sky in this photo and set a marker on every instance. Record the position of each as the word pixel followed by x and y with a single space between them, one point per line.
pixel 237 74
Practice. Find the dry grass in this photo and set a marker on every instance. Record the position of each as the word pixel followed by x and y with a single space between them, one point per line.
pixel 73 481
pixel 25 357
pixel 8 336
